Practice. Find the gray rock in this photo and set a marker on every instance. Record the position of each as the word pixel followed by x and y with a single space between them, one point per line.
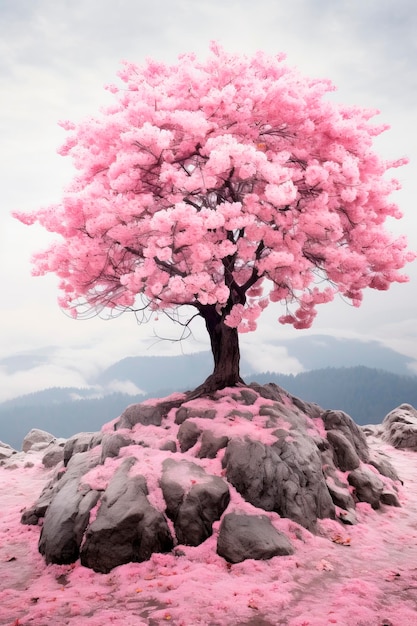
pixel 286 477
pixel 80 442
pixel 78 465
pixel 368 487
pixel 65 522
pixel 245 396
pixel 383 465
pixel 185 412
pixel 390 498
pixel 270 391
pixel 169 446
pixel 147 414
pixel 247 415
pixel 400 427
pixel 309 408
pixel 193 509
pixel 188 434
pixel 6 451
pixel 342 422
pixel 347 517
pixel 340 494
pixel 141 414
pixel 344 454
pixel 210 445
pixel 54 454
pixel 127 528
pixel 36 437
pixel 373 430
pixel 111 444
pixel 250 537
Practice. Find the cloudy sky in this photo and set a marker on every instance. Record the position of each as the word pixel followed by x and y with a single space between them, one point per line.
pixel 55 57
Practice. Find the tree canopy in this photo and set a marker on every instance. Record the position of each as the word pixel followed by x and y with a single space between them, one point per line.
pixel 223 184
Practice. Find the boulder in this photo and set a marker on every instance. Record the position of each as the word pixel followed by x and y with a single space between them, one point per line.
pixel 127 527
pixel 246 397
pixel 146 414
pixel 185 412
pixel 170 446
pixel 6 451
pixel 54 454
pixel 194 500
pixel 140 414
pixel 343 423
pixel 368 487
pixel 390 498
pixel 344 454
pixel 384 466
pixel 78 465
pixel 65 522
pixel 188 434
pixel 286 463
pixel 111 444
pixel 400 427
pixel 80 443
pixel 340 493
pixel 36 437
pixel 286 477
pixel 210 445
pixel 244 537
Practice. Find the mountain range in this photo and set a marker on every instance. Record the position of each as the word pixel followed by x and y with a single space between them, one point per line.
pixel 365 379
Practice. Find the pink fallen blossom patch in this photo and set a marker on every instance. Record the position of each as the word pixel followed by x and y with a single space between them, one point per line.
pixel 362 575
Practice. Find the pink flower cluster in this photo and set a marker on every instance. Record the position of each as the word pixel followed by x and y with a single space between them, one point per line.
pixel 229 182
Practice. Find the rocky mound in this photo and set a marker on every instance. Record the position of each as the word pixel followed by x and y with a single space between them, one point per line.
pixel 171 472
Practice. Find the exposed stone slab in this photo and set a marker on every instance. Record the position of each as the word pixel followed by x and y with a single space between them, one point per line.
pixel 111 444
pixel 127 528
pixel 188 434
pixel 81 442
pixel 79 465
pixel 368 487
pixel 286 477
pixel 342 422
pixel 210 445
pixel 344 454
pixel 185 412
pixel 244 537
pixel 194 500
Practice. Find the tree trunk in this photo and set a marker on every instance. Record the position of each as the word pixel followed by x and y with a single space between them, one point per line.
pixel 225 349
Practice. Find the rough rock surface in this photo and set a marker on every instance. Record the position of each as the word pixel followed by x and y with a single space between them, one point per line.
pixel 53 454
pixel 127 528
pixel 368 486
pixel 400 427
pixel 80 443
pixel 6 451
pixel 193 511
pixel 66 518
pixel 36 438
pixel 342 422
pixel 176 472
pixel 286 478
pixel 250 537
pixel 77 467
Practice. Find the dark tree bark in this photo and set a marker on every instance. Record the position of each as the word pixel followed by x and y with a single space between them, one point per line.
pixel 225 349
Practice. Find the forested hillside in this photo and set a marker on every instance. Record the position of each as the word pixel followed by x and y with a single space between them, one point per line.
pixel 366 394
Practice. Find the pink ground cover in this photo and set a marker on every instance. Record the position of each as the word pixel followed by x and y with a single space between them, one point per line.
pixel 362 575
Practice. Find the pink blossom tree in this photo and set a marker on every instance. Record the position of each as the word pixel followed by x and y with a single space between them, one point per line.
pixel 222 185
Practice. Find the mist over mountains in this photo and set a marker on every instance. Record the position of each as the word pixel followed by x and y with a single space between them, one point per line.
pixel 365 379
